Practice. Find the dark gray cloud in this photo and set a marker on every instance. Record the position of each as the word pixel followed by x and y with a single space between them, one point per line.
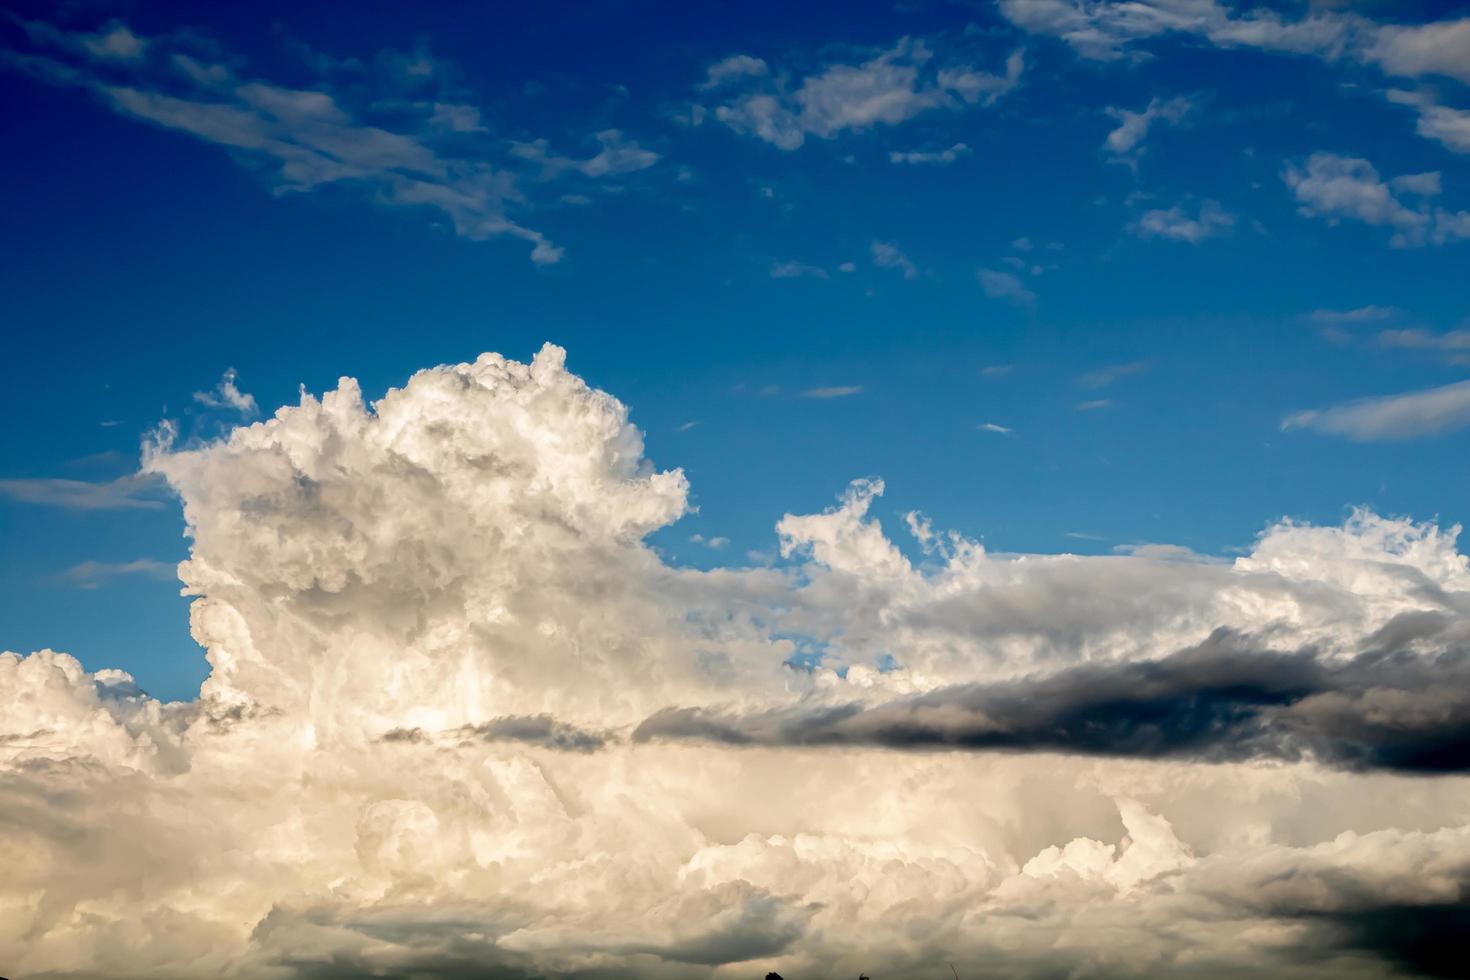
pixel 542 730
pixel 1224 700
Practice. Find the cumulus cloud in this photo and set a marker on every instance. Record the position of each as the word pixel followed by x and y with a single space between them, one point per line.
pixel 461 720
pixel 887 255
pixel 1126 141
pixel 792 269
pixel 1444 124
pixel 1105 31
pixel 889 87
pixel 1349 188
pixel 227 395
pixel 1178 225
pixel 998 284
pixel 1406 416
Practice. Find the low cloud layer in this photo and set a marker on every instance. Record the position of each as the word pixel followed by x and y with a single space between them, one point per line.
pixel 462 721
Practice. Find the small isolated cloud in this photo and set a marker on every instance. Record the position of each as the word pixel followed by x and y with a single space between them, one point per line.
pixel 132 492
pixel 1094 404
pixel 797 270
pixel 714 544
pixel 887 255
pixel 93 574
pixel 832 391
pixel 847 267
pixel 1178 225
pixel 688 425
pixel 1104 376
pixel 226 395
pixel 1340 188
pixel 1126 142
pixel 1360 315
pixel 1005 286
pixel 1407 416
pixel 996 428
pixel 996 370
pixel 941 158
pixel 1022 244
pixel 736 66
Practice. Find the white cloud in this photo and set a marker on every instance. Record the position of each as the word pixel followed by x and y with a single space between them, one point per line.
pixel 616 156
pixel 394 134
pixel 1337 187
pixel 734 67
pixel 227 395
pixel 132 492
pixel 792 269
pixel 1448 126
pixel 1437 48
pixel 889 88
pixel 887 255
pixel 93 574
pixel 1104 376
pixel 1371 313
pixel 1126 142
pixel 434 629
pixel 1407 416
pixel 1111 30
pixel 1005 286
pixel 1456 342
pixel 832 391
pixel 1105 31
pixel 940 158
pixel 996 428
pixel 1094 404
pixel 1176 224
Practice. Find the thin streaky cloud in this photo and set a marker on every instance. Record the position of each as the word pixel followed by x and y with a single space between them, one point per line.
pixel 1411 415
pixel 832 391
pixel 1104 376
pixel 132 492
pixel 94 574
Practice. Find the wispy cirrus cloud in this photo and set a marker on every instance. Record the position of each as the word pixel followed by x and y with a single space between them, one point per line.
pixel 937 158
pixel 832 391
pixel 399 133
pixel 1410 415
pixel 95 574
pixel 792 269
pixel 135 491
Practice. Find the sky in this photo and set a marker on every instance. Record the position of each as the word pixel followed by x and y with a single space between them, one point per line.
pixel 571 397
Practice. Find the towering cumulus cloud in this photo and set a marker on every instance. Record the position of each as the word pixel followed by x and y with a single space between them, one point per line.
pixel 462 721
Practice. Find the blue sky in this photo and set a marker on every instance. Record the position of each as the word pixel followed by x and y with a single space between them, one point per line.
pixel 1066 280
